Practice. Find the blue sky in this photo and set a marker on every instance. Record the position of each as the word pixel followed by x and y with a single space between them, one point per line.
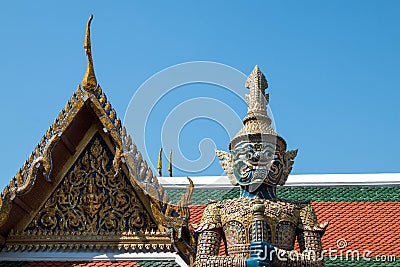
pixel 332 66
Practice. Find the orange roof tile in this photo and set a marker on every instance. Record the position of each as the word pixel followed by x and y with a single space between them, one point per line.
pixel 362 225
pixel 196 211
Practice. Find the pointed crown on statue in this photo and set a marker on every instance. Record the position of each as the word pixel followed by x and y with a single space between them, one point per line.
pixel 257 123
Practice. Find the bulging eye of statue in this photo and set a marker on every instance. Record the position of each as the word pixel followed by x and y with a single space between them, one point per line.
pixel 269 152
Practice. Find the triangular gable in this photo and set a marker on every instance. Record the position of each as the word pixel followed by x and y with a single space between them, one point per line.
pixel 88 125
pixel 85 178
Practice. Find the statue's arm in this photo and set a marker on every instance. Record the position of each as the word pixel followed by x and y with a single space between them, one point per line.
pixel 207 252
pixel 210 235
pixel 309 235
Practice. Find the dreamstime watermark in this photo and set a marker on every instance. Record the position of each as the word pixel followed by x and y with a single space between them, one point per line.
pixel 342 252
pixel 163 86
pixel 338 253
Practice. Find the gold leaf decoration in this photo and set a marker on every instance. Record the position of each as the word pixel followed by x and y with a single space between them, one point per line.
pixel 93 198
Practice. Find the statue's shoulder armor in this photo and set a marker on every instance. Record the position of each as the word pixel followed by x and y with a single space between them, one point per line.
pixel 211 218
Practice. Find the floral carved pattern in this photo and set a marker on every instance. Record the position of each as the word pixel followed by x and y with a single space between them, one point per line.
pixel 92 198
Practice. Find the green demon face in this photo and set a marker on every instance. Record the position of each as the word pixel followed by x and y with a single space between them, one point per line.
pixel 255 163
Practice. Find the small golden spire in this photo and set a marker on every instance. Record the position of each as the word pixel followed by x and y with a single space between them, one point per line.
pixel 159 165
pixel 170 163
pixel 89 81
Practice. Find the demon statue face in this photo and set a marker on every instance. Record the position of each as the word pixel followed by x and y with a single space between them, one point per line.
pixel 254 163
pixel 257 153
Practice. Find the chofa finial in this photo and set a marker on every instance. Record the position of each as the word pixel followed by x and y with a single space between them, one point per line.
pixel 170 163
pixel 89 81
pixel 159 162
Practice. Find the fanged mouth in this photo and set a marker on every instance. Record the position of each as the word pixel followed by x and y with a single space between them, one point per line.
pixel 257 163
pixel 251 165
pixel 260 167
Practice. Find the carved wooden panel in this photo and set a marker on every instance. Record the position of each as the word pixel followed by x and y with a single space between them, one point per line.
pixel 91 198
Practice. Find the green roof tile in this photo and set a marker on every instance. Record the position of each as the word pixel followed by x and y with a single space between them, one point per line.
pixel 338 194
pixel 334 194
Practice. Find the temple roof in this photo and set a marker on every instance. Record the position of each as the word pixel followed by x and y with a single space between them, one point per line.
pixel 76 191
pixel 360 208
pixel 362 216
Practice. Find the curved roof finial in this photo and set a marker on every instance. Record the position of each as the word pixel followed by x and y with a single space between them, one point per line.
pixel 89 81
pixel 159 163
pixel 170 163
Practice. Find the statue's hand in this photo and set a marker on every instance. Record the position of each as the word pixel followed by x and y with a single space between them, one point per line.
pixel 252 262
pixel 261 254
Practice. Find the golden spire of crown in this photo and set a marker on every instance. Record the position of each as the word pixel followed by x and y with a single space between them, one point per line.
pixel 89 81
pixel 257 100
pixel 257 122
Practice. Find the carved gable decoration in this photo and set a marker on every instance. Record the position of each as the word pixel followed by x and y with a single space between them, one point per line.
pixel 91 198
pixel 92 206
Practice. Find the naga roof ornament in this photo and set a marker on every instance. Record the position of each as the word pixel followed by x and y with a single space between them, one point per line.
pixel 89 81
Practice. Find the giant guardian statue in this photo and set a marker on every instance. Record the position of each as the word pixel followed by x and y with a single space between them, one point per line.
pixel 258 228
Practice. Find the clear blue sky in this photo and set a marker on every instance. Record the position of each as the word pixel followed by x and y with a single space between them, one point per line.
pixel 333 69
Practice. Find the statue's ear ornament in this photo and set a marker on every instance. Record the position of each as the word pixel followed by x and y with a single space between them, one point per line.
pixel 288 161
pixel 225 159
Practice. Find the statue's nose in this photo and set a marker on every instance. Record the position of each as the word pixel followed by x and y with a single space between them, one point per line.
pixel 256 157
